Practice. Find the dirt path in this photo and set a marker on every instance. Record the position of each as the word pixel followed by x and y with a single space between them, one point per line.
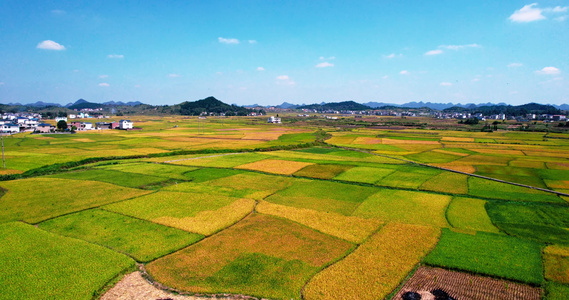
pixel 134 287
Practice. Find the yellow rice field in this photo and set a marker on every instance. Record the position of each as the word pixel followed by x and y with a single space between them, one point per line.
pixel 275 166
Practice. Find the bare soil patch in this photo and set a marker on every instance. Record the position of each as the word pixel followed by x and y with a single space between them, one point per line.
pixel 460 285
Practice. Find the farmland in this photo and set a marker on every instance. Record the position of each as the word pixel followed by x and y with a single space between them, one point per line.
pixel 273 211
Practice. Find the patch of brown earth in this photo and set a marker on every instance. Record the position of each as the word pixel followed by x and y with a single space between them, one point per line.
pixel 465 286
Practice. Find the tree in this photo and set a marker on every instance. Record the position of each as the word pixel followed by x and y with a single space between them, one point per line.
pixel 61 125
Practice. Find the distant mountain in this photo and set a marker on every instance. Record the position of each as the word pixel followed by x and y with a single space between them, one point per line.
pixel 40 104
pixel 345 105
pixel 519 110
pixel 562 106
pixel 286 105
pixel 82 103
pixel 379 104
pixel 211 105
pixel 120 103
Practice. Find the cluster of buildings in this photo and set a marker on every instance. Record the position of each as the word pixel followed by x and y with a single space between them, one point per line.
pixel 21 122
pixel 482 117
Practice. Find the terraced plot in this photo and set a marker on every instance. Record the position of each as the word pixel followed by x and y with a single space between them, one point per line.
pixel 200 213
pixel 386 257
pixel 40 265
pixel 140 239
pixel 37 199
pixel 489 254
pixel 260 255
pixel 469 214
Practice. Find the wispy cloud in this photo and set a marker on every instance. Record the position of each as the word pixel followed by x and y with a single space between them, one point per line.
pixel 459 47
pixel 532 13
pixel 324 65
pixel 117 56
pixel 392 55
pixel 446 84
pixel 515 65
pixel 227 40
pixel 252 41
pixel 404 72
pixel 549 71
pixel 2 83
pixel 329 58
pixel 50 45
pixel 284 79
pixel 174 75
pixel 434 52
pixel 103 76
pixel 104 84
pixel 260 69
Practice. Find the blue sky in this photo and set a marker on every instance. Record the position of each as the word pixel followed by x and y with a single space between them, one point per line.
pixel 267 52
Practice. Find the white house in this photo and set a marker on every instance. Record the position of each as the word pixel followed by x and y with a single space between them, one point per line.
pixel 57 119
pixel 86 125
pixel 11 128
pixel 272 119
pixel 125 124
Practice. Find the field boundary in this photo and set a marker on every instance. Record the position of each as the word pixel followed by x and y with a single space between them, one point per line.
pixel 455 171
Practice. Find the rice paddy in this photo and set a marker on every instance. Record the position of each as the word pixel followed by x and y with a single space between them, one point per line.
pixel 324 222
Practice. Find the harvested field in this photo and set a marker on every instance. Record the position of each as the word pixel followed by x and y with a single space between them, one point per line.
pixel 275 166
pixel 353 229
pixel 406 207
pixel 387 257
pixel 275 259
pixel 466 286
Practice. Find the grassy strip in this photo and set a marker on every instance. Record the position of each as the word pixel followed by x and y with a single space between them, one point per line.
pixel 377 267
pixel 143 240
pixel 489 254
pixel 40 265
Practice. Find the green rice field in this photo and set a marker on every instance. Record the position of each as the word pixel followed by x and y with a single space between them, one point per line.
pixel 249 208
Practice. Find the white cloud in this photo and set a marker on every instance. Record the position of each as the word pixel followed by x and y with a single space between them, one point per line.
pixel 50 45
pixel 174 75
pixel 252 41
pixel 103 76
pixel 118 56
pixel 434 52
pixel 260 69
pixel 324 65
pixel 531 13
pixel 549 71
pixel 392 55
pixel 404 72
pixel 515 65
pixel 104 84
pixel 475 79
pixel 446 83
pixel 228 41
pixel 528 13
pixel 329 58
pixel 2 83
pixel 285 80
pixel 459 47
pixel 562 18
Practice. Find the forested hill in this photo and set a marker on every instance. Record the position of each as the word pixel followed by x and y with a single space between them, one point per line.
pixel 520 110
pixel 346 105
pixel 211 105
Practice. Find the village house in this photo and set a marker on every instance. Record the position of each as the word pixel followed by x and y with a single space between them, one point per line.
pixel 274 120
pixel 44 128
pixel 125 124
pixel 10 128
